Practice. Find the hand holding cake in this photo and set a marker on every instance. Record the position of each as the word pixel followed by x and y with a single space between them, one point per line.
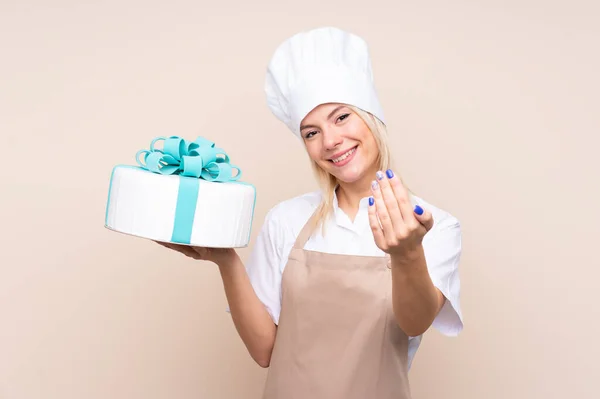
pixel 218 256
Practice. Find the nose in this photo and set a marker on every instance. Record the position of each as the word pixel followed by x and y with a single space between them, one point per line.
pixel 331 139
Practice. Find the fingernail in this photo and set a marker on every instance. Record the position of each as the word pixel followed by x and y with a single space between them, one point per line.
pixel 389 173
pixel 418 210
pixel 371 201
pixel 374 185
pixel 379 175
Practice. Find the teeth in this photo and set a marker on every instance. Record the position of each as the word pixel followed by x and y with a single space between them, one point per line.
pixel 342 157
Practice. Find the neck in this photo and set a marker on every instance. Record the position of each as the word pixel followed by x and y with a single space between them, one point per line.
pixel 350 194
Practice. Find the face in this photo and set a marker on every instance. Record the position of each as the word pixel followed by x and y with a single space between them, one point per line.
pixel 340 142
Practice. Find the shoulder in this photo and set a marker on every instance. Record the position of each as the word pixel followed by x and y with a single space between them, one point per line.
pixel 289 215
pixel 443 242
pixel 442 219
pixel 296 207
pixel 445 237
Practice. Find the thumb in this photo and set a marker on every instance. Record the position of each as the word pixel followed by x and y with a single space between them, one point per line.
pixel 424 217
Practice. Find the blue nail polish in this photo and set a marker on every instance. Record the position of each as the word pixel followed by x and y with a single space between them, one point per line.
pixel 374 185
pixel 389 173
pixel 418 210
pixel 379 175
pixel 371 201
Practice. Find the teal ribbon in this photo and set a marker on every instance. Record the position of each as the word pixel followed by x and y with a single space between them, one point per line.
pixel 191 161
pixel 199 158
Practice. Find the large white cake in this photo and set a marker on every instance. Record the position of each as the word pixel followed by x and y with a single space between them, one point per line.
pixel 171 207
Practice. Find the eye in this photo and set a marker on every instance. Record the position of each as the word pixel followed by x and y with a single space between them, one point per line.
pixel 309 134
pixel 342 117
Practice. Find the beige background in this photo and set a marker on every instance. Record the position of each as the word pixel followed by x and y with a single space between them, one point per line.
pixel 493 109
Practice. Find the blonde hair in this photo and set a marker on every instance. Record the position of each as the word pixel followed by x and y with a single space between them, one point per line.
pixel 328 182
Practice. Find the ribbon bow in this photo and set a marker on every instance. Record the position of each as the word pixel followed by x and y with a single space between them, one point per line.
pixel 199 158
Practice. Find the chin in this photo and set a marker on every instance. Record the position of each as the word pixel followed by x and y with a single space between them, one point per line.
pixel 348 174
pixel 349 177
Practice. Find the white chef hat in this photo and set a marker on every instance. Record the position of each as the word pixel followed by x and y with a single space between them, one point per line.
pixel 323 65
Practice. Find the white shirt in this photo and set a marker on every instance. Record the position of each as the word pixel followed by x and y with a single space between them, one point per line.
pixel 265 265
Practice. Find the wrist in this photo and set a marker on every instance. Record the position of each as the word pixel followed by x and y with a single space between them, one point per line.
pixel 226 259
pixel 410 268
pixel 410 257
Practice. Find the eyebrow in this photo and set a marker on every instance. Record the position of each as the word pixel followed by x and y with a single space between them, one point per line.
pixel 328 117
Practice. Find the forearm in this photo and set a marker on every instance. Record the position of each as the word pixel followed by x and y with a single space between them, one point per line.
pixel 416 301
pixel 251 319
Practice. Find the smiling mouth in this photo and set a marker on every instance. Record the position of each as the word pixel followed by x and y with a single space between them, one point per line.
pixel 344 156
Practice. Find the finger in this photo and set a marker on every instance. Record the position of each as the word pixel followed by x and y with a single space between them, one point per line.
pixel 184 249
pixel 187 251
pixel 402 197
pixel 166 245
pixel 382 212
pixel 424 217
pixel 391 203
pixel 375 226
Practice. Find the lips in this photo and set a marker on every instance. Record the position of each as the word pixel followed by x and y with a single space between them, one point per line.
pixel 340 156
pixel 343 158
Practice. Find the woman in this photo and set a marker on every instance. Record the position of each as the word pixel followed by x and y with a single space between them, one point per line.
pixel 341 283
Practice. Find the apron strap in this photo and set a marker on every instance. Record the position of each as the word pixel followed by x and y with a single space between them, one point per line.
pixel 305 233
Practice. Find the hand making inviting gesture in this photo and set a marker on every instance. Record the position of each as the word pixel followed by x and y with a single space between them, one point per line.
pixel 397 227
